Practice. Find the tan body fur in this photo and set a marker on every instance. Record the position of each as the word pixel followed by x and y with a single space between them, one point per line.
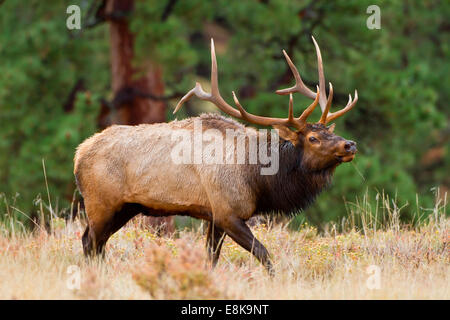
pixel 132 164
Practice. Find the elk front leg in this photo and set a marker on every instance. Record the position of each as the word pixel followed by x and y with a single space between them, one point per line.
pixel 214 242
pixel 238 230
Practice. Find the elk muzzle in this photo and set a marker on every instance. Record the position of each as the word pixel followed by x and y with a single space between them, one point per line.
pixel 347 151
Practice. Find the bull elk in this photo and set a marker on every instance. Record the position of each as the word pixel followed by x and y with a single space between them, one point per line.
pixel 127 170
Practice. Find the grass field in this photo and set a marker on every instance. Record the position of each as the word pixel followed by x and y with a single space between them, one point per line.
pixel 388 261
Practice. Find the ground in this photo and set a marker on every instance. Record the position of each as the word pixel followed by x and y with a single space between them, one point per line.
pixel 393 262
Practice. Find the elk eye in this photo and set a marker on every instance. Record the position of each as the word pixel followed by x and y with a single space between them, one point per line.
pixel 313 140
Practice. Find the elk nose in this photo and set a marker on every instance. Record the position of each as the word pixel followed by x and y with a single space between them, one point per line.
pixel 350 146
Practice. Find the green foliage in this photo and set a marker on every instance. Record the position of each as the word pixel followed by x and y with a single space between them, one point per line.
pixel 400 72
pixel 40 62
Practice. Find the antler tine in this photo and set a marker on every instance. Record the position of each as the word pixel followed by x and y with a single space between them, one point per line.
pixel 325 103
pixel 323 94
pixel 214 73
pixel 323 118
pixel 350 104
pixel 299 85
pixel 197 91
pixel 291 108
pixel 311 107
pixel 214 96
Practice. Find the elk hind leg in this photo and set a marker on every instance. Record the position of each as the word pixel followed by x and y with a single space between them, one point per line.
pixel 100 219
pixel 125 214
pixel 105 230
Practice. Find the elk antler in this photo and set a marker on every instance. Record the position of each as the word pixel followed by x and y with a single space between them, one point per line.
pixel 217 99
pixel 325 103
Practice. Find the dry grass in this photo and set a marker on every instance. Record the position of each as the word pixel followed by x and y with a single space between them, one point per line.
pixel 413 262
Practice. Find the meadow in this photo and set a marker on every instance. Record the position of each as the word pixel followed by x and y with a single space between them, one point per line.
pixel 388 260
pixel 132 61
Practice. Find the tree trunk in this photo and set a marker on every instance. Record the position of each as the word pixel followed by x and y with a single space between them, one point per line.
pixel 130 106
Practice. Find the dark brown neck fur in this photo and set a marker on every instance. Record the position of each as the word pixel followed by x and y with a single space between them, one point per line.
pixel 294 187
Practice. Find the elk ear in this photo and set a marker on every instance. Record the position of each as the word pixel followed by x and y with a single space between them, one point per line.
pixel 286 133
pixel 331 127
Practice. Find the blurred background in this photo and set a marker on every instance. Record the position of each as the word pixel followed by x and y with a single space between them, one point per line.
pixel 132 60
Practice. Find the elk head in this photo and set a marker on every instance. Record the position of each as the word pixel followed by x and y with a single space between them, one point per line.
pixel 319 146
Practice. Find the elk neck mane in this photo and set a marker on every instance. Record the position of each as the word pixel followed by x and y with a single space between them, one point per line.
pixel 294 187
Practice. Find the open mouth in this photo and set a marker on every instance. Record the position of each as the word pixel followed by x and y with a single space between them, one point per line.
pixel 345 157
